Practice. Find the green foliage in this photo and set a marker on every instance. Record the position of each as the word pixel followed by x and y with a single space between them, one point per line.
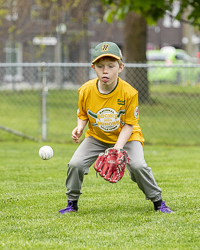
pixel 3 13
pixel 111 216
pixel 194 9
pixel 152 10
pixel 19 18
pixel 109 16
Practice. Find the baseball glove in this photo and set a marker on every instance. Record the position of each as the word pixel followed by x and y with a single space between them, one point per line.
pixel 111 164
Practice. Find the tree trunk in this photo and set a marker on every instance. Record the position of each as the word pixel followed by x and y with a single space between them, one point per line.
pixel 135 35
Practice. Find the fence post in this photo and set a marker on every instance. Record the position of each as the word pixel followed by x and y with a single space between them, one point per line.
pixel 44 102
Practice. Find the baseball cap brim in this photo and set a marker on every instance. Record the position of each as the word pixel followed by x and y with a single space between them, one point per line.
pixel 103 55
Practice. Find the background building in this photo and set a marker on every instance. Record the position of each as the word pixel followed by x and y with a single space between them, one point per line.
pixel 34 37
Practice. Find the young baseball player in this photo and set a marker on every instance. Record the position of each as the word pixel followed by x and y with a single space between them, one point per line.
pixel 109 106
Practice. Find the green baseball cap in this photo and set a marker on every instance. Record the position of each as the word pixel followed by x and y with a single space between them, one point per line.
pixel 106 49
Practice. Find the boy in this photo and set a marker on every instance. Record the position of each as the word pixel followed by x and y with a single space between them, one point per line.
pixel 110 106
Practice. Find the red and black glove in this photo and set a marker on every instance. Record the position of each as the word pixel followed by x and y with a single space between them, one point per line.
pixel 111 164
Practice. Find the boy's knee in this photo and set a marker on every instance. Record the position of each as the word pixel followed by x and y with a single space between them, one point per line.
pixel 137 169
pixel 76 165
pixel 137 166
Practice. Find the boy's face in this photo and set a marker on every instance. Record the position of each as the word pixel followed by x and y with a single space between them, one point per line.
pixel 107 70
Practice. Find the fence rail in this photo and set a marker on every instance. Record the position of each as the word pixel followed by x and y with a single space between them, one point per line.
pixel 39 100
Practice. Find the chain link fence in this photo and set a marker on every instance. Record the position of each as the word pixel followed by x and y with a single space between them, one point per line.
pixel 38 101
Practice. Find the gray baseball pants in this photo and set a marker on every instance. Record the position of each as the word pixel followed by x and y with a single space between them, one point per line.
pixel 87 153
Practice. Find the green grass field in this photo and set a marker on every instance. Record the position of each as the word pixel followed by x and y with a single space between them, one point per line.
pixel 171 117
pixel 111 216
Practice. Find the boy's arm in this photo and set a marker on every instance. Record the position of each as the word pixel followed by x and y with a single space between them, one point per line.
pixel 124 136
pixel 78 131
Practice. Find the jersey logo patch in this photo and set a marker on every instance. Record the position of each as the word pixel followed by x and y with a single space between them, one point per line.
pixel 107 119
pixel 120 102
pixel 136 112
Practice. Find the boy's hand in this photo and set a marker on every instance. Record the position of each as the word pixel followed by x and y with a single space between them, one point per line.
pixel 76 134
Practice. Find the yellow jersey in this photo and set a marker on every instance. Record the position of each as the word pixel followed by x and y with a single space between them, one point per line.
pixel 107 113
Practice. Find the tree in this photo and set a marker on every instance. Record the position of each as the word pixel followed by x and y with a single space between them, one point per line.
pixel 22 20
pixel 152 10
pixel 137 14
pixel 135 36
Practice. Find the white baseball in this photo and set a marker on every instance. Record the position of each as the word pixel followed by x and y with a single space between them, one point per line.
pixel 46 152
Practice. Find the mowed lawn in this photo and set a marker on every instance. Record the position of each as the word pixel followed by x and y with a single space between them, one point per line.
pixel 170 117
pixel 111 216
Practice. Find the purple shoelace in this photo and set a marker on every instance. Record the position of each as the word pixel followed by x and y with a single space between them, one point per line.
pixel 68 209
pixel 164 208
